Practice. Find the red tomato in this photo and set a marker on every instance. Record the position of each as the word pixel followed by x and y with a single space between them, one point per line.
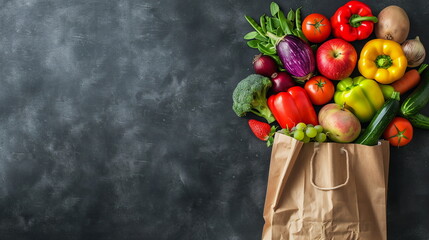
pixel 399 132
pixel 320 89
pixel 316 27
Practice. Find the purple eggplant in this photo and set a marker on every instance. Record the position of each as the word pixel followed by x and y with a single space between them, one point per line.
pixel 297 57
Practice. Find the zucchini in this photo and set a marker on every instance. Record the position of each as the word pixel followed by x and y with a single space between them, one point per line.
pixel 418 98
pixel 419 121
pixel 381 120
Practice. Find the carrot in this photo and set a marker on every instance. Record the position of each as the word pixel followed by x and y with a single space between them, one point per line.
pixel 410 79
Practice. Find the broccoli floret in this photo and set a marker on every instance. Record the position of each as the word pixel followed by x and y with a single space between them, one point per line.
pixel 250 95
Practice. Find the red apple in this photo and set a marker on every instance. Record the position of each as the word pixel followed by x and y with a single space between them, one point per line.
pixel 336 59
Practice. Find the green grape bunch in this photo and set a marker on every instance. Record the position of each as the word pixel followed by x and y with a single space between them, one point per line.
pixel 306 133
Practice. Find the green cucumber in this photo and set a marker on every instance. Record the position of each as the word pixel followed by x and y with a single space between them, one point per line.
pixel 419 121
pixel 379 123
pixel 418 98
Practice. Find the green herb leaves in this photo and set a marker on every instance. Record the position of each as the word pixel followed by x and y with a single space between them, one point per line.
pixel 270 29
pixel 274 8
pixel 251 35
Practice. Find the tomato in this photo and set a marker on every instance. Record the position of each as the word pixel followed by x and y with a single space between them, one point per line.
pixel 320 89
pixel 316 27
pixel 399 132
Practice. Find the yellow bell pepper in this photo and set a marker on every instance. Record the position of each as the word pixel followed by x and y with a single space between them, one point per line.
pixel 382 60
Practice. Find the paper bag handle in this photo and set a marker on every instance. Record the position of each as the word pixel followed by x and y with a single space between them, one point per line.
pixel 335 187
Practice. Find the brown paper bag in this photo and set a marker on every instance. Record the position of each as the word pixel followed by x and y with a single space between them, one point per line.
pixel 326 191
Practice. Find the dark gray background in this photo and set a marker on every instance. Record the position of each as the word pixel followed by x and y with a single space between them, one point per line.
pixel 116 122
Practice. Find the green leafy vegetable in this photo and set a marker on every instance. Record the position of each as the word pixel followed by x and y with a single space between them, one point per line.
pixel 283 24
pixel 274 8
pixel 260 38
pixel 278 24
pixel 279 32
pixel 266 49
pixel 298 18
pixel 255 25
pixel 253 43
pixel 270 26
pixel 251 35
pixel 298 24
pixel 291 15
pixel 263 26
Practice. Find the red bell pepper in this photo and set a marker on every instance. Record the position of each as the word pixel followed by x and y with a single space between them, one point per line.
pixel 292 107
pixel 353 21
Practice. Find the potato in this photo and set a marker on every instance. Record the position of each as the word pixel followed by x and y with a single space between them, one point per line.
pixel 393 24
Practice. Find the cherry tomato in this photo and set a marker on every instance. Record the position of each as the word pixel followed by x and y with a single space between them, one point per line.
pixel 399 132
pixel 320 90
pixel 316 27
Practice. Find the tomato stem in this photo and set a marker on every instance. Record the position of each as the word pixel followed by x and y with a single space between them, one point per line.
pixel 320 83
pixel 317 24
pixel 399 135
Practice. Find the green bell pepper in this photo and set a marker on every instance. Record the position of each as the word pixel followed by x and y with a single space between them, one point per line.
pixel 363 97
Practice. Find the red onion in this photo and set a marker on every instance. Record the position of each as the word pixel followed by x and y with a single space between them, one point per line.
pixel 297 57
pixel 281 82
pixel 264 65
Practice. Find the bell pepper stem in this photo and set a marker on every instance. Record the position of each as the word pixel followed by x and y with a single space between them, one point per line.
pixel 395 95
pixel 383 61
pixel 356 20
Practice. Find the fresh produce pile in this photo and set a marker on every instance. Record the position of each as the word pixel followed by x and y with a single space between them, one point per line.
pixel 302 85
